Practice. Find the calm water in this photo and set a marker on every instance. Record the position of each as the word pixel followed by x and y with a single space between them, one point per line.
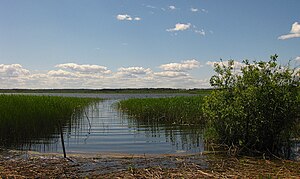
pixel 103 128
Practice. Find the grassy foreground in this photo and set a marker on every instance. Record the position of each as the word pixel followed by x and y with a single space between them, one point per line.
pixel 24 117
pixel 179 110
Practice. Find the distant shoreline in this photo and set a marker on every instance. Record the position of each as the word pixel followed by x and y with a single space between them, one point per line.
pixel 121 90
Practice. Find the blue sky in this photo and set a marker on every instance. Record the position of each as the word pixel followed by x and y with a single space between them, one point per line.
pixel 138 43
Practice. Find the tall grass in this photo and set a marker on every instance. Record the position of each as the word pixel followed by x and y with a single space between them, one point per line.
pixel 179 110
pixel 179 118
pixel 24 118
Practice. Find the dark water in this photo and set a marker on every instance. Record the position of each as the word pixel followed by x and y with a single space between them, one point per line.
pixel 103 128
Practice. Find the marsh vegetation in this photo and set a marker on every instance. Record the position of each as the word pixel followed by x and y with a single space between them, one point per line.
pixel 177 110
pixel 93 126
pixel 25 119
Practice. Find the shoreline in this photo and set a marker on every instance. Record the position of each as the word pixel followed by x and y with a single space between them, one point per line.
pixel 29 164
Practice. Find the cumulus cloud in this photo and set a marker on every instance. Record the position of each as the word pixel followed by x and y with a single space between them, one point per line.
pixel 62 73
pixel 84 68
pixel 183 66
pixel 126 17
pixel 194 9
pixel 171 74
pixel 180 27
pixel 72 75
pixel 295 32
pixel 297 59
pixel 183 27
pixel 172 7
pixel 237 65
pixel 133 71
pixel 137 19
pixel 13 70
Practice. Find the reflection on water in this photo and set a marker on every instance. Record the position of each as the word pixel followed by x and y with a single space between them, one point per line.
pixel 25 132
pixel 103 128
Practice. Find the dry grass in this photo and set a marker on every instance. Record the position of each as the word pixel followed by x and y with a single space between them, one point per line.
pixel 20 165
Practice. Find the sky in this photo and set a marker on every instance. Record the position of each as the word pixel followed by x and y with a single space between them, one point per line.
pixel 139 43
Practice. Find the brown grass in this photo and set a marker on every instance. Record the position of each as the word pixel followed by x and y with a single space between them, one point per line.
pixel 32 165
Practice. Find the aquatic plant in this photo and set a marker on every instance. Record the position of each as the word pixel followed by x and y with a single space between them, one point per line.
pixel 177 110
pixel 25 118
pixel 172 115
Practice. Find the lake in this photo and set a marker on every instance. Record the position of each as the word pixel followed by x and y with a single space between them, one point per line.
pixel 103 128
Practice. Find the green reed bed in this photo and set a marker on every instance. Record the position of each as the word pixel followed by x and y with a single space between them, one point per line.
pixel 179 110
pixel 24 118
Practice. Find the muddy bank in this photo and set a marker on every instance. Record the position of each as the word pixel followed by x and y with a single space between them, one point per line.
pixel 16 164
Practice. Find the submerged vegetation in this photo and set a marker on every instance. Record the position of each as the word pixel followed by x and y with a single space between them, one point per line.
pixel 24 118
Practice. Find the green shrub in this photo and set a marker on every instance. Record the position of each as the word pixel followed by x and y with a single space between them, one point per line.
pixel 254 109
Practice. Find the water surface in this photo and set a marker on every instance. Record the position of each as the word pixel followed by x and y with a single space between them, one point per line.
pixel 106 129
pixel 103 128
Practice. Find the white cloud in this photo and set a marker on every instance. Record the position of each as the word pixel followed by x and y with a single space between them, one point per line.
pixel 84 68
pixel 126 17
pixel 295 28
pixel 237 65
pixel 183 66
pixel 133 71
pixel 171 74
pixel 212 63
pixel 13 70
pixel 180 27
pixel 72 75
pixel 198 10
pixel 172 7
pixel 62 73
pixel 200 32
pixel 194 9
pixel 288 36
pixel 294 33
pixel 297 59
pixel 137 19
